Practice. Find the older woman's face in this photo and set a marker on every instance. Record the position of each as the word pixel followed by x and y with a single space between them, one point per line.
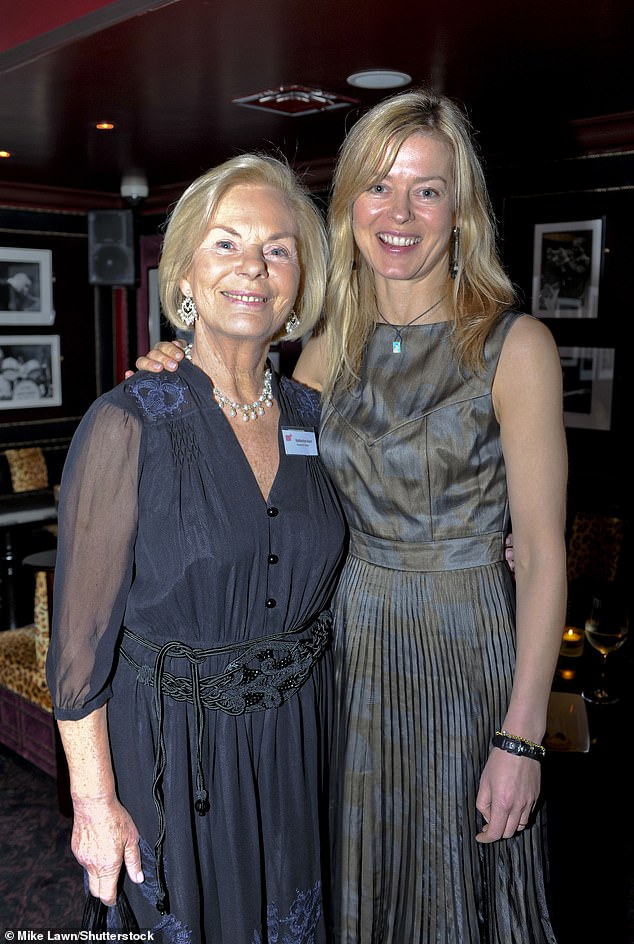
pixel 402 224
pixel 245 274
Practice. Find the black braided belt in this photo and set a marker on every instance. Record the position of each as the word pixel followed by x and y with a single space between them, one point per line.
pixel 264 673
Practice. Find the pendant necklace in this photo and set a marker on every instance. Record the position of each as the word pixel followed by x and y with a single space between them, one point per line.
pixel 249 411
pixel 397 340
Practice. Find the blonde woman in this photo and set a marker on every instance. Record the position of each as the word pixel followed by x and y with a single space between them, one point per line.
pixel 199 545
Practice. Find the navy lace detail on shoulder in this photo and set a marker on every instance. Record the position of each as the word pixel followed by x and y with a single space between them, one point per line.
pixel 307 400
pixel 301 923
pixel 160 396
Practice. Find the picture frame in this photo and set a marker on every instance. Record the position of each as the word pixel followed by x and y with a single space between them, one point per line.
pixel 148 304
pixel 588 374
pixel 567 269
pixel 26 287
pixel 30 371
pixel 154 307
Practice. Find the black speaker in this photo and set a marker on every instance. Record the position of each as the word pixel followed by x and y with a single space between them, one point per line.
pixel 111 247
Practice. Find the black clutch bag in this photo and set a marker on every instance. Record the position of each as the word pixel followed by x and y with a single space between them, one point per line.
pixel 95 917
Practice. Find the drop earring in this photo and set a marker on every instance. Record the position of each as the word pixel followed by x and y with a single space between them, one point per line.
pixel 455 252
pixel 292 323
pixel 187 311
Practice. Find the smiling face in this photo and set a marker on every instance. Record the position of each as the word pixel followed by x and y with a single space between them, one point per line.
pixel 402 224
pixel 245 274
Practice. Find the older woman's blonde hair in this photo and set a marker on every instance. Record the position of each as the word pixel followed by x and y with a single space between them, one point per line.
pixel 480 291
pixel 191 217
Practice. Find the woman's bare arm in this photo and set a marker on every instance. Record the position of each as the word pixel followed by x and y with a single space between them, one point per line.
pixel 104 835
pixel 528 400
pixel 167 355
pixel 311 365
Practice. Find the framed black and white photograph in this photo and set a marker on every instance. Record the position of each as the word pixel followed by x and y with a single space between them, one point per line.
pixel 567 269
pixel 588 374
pixel 30 375
pixel 26 287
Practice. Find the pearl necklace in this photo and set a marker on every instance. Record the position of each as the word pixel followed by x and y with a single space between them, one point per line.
pixel 397 340
pixel 249 411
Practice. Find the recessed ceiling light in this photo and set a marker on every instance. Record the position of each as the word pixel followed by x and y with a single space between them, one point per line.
pixel 5 153
pixel 104 126
pixel 379 79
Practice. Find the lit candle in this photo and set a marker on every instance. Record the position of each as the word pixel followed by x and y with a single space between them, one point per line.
pixel 566 674
pixel 572 642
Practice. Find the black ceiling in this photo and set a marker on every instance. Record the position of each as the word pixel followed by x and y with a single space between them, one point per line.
pixel 528 71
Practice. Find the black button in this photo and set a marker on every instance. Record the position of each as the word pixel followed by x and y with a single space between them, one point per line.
pixel 272 512
pixel 273 558
pixel 270 603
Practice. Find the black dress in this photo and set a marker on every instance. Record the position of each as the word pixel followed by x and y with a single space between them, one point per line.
pixel 163 531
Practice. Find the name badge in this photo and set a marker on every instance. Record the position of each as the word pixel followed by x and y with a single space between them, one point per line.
pixel 299 442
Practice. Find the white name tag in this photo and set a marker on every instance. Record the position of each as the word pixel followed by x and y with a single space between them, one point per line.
pixel 299 442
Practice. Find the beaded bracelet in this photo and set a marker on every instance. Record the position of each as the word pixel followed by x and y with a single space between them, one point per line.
pixel 522 747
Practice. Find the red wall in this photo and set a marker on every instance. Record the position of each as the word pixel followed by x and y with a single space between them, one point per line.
pixel 22 22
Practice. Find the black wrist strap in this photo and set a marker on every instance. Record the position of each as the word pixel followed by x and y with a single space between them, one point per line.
pixel 518 746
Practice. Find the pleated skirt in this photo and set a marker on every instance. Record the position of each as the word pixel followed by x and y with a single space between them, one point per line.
pixel 424 665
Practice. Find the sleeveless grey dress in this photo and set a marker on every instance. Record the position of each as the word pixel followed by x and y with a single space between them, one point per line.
pixel 424 654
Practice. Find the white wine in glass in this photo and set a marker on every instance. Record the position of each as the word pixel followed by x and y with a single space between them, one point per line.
pixel 606 630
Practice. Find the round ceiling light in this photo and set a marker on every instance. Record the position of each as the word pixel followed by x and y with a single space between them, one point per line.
pixel 379 79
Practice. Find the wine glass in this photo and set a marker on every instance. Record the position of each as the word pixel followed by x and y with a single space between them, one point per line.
pixel 606 630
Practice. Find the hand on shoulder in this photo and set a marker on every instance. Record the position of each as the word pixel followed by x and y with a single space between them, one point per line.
pixel 165 356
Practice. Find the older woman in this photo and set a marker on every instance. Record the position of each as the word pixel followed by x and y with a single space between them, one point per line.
pixel 199 545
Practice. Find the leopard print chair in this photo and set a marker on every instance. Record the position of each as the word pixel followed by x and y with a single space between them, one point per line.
pixel 595 564
pixel 26 720
pixel 595 546
pixel 28 469
pixel 27 524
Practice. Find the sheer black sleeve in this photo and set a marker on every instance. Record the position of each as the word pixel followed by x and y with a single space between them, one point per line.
pixel 95 557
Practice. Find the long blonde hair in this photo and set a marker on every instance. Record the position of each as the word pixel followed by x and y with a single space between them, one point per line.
pixel 190 219
pixel 481 289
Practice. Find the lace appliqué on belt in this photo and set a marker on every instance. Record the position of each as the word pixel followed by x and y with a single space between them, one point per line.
pixel 265 674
